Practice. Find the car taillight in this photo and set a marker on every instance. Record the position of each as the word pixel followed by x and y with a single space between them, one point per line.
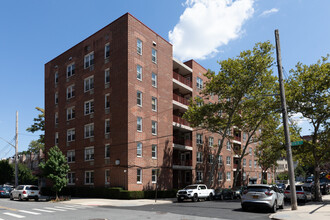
pixel 287 192
pixel 268 193
pixel 1 191
pixel 245 191
pixel 24 192
pixel 300 192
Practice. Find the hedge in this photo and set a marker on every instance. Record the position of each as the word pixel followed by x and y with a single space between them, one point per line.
pixel 108 193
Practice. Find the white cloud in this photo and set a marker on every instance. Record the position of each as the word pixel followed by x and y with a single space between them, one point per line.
pixel 299 119
pixel 205 25
pixel 268 12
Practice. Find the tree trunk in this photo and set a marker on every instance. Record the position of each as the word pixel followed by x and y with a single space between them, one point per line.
pixel 318 196
pixel 56 196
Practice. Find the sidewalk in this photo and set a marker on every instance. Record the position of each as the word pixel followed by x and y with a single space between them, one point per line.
pixel 312 210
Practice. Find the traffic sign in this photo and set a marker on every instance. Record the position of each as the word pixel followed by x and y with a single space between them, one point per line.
pixel 296 143
pixel 328 176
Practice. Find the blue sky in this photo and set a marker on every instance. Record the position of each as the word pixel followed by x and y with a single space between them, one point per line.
pixel 34 32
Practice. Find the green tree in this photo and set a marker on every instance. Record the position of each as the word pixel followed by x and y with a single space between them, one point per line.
pixel 39 125
pixel 308 90
pixel 241 84
pixel 56 169
pixel 35 147
pixel 6 172
pixel 25 175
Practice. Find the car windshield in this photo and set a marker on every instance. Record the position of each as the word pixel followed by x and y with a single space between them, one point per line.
pixel 32 188
pixel 191 187
pixel 257 189
pixel 298 188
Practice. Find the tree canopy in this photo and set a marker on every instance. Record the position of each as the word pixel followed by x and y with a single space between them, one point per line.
pixel 39 125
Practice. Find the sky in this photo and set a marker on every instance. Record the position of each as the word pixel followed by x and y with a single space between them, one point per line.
pixel 34 32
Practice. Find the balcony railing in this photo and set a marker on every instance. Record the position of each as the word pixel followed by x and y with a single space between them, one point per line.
pixel 182 162
pixel 182 141
pixel 180 99
pixel 180 120
pixel 238 138
pixel 182 79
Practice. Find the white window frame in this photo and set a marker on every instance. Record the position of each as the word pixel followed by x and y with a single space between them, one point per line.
pixel 250 163
pixel 199 140
pixel 56 78
pixel 56 118
pixel 199 157
pixel 89 60
pixel 220 177
pixel 199 83
pixel 228 160
pixel 89 83
pixel 139 176
pixel 139 124
pixel 56 98
pixel 90 175
pixel 139 149
pixel 107 151
pixel 211 158
pixel 107 101
pixel 154 79
pixel 154 127
pixel 71 156
pixel 107 177
pixel 56 138
pixel 70 70
pixel 244 162
pixel 139 46
pixel 70 113
pixel 70 92
pixel 153 176
pixel 71 178
pixel 211 141
pixel 139 72
pixel 139 98
pixel 244 175
pixel 228 177
pixel 107 76
pixel 199 176
pixel 89 153
pixel 106 50
pixel 71 135
pixel 154 151
pixel 250 150
pixel 89 130
pixel 220 160
pixel 107 126
pixel 89 107
pixel 154 104
pixel 154 55
pixel 228 146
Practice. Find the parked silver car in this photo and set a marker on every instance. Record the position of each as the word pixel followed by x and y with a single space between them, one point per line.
pixel 25 192
pixel 303 193
pixel 262 195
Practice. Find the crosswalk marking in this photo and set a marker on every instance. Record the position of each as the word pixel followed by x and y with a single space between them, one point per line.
pixel 29 212
pixel 62 210
pixel 14 215
pixel 43 210
pixel 65 208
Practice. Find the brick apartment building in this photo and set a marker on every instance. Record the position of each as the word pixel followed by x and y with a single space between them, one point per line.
pixel 114 104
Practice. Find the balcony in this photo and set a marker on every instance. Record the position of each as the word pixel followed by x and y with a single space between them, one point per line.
pixel 182 141
pixel 180 120
pixel 180 99
pixel 182 79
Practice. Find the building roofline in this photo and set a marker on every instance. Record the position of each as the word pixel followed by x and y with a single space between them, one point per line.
pixel 192 60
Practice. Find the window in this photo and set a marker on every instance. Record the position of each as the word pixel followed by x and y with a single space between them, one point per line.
pixel 255 164
pixel 107 50
pixel 154 151
pixel 71 178
pixel 107 126
pixel 70 92
pixel 211 157
pixel 228 145
pixel 56 117
pixel 139 46
pixel 250 163
pixel 250 151
pixel 70 70
pixel 107 177
pixel 56 98
pixel 219 176
pixel 139 124
pixel 89 107
pixel 154 127
pixel 228 175
pixel 107 101
pixel 199 157
pixel 154 79
pixel 220 160
pixel 244 162
pixel 244 136
pixel 107 151
pixel 89 130
pixel 139 72
pixel 199 138
pixel 89 83
pixel 199 101
pixel 211 141
pixel 139 175
pixel 154 104
pixel 139 98
pixel 89 177
pixel 56 78
pixel 107 76
pixel 219 142
pixel 244 175
pixel 89 153
pixel 259 175
pixel 153 175
pixel 89 60
pixel 56 138
pixel 71 156
pixel 70 113
pixel 139 149
pixel 154 55
pixel 199 82
pixel 70 134
pixel 199 176
pixel 228 160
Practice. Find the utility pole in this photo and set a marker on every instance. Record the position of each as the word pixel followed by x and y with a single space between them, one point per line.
pixel 285 124
pixel 16 151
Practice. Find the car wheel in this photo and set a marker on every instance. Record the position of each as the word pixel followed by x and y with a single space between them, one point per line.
pixel 11 197
pixel 281 206
pixel 37 199
pixel 221 197
pixel 274 207
pixel 210 198
pixel 244 207
pixel 179 200
pixel 231 197
pixel 20 198
pixel 195 198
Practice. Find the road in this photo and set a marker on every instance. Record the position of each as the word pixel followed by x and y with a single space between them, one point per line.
pixel 183 211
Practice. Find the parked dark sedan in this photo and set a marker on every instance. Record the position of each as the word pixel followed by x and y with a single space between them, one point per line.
pixel 223 193
pixel 5 191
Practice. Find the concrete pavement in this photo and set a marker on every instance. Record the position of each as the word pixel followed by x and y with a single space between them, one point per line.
pixel 312 210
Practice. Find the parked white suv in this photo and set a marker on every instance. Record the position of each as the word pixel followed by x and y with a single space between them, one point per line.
pixel 25 192
pixel 195 192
